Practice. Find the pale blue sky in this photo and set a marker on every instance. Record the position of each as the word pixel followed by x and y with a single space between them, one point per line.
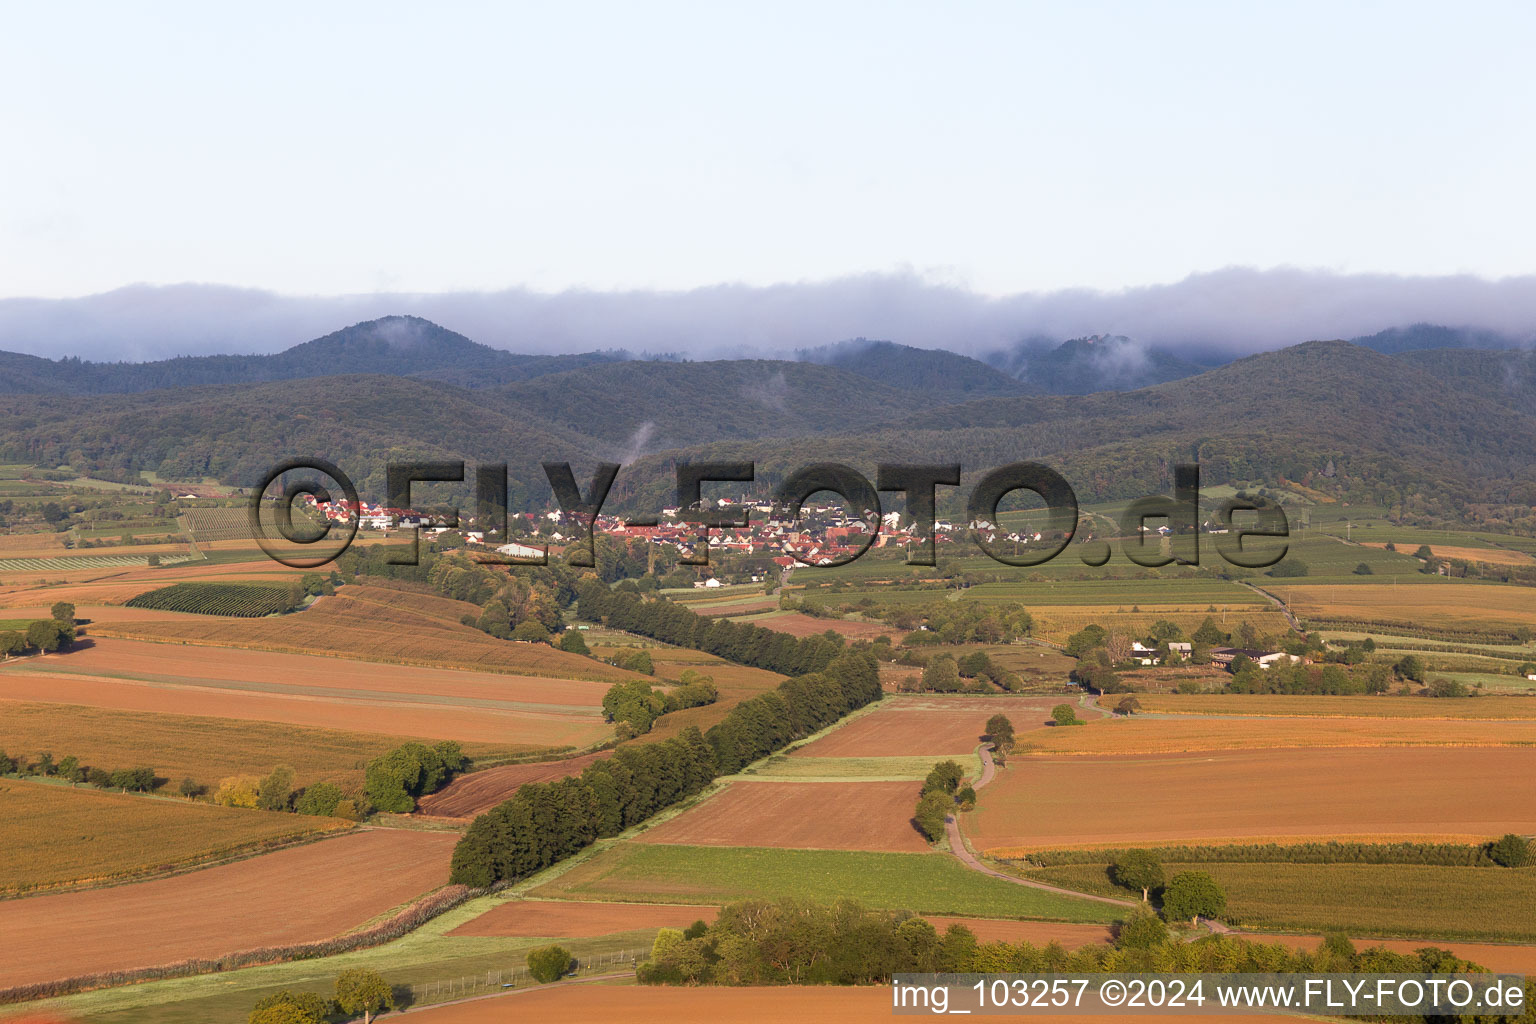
pixel 999 147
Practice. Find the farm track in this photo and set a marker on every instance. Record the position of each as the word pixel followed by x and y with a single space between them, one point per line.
pixel 965 856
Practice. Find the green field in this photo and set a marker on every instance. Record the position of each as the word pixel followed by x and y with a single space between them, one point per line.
pixel 933 883
pixel 863 769
pixel 1385 900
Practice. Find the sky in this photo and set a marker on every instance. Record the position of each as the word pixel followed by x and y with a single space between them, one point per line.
pixel 1007 152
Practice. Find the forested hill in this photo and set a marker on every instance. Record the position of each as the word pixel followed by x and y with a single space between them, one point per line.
pixel 396 345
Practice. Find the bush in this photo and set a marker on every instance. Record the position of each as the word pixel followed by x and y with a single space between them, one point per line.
pixel 1510 851
pixel 572 642
pixel 1063 714
pixel 550 963
pixel 320 800
pixel 1143 931
pixel 287 1007
pixel 932 811
pixel 238 791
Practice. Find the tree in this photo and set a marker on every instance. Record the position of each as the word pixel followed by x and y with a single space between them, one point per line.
pixel 1144 930
pixel 320 800
pixel 276 789
pixel 1289 567
pixel 1062 714
pixel 1364 569
pixel 1424 552
pixel 190 788
pixel 572 642
pixel 1137 869
pixel 531 631
pixel 932 813
pixel 941 675
pixel 944 778
pixel 965 796
pixel 1000 731
pixel 70 771
pixel 1209 633
pixel 287 1007
pixel 1192 895
pixel 12 642
pixel 1127 706
pixel 1410 668
pixel 237 791
pixel 63 611
pixel 363 991
pixel 44 635
pixel 549 963
pixel 1510 851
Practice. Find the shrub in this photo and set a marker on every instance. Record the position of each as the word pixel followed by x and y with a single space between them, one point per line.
pixel 550 963
pixel 1510 851
pixel 1063 714
pixel 572 642
pixel 287 1007
pixel 320 800
pixel 238 791
pixel 1143 931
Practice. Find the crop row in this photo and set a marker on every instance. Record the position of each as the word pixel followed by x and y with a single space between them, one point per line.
pixel 239 600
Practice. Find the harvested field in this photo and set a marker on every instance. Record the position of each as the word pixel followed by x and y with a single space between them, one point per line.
pixel 1188 734
pixel 1286 705
pixel 735 683
pixel 565 919
pixel 662 1004
pixel 1057 622
pixel 472 794
pixel 202 749
pixel 351 624
pixel 928 725
pixel 304 894
pixel 1445 793
pixel 55 835
pixel 1428 605
pixel 1501 958
pixel 853 769
pixel 801 815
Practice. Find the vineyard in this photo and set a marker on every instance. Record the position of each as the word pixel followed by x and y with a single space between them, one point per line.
pixel 238 600
pixel 211 524
pixel 76 562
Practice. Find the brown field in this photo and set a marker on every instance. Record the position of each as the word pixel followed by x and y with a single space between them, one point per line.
pixel 566 919
pixel 303 894
pixel 203 749
pixel 1500 958
pixel 351 624
pixel 571 1003
pixel 801 815
pixel 1285 705
pixel 54 835
pixel 798 624
pixel 471 794
pixel 1427 604
pixel 736 683
pixel 928 725
pixel 1488 556
pixel 1196 733
pixel 1450 793
pixel 31 545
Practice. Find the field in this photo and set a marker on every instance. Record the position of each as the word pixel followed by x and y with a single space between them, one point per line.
pixel 800 815
pixel 1057 622
pixel 1426 606
pixel 205 750
pixel 529 713
pixel 472 794
pixel 853 769
pixel 1487 555
pixel 54 834
pixel 303 894
pixel 1360 899
pixel 711 875
pixel 371 624
pixel 1383 793
pixel 735 684
pixel 1483 708
pixel 1191 733
pixel 799 624
pixel 937 726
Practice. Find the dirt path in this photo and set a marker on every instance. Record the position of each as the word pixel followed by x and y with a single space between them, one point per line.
pixel 965 856
pixel 1272 599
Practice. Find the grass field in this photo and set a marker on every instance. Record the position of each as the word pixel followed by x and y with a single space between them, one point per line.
pixel 1481 708
pixel 203 749
pixel 1450 794
pixel 1360 899
pixel 854 769
pixel 54 834
pixel 924 882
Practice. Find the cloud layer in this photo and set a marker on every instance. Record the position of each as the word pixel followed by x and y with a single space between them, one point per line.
pixel 1222 313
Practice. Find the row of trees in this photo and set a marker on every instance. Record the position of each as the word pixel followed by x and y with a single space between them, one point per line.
pixel 671 623
pixel 972 673
pixel 74 771
pixel 636 704
pixel 792 942
pixel 276 792
pixel 959 622
pixel 1441 854
pixel 45 635
pixel 545 822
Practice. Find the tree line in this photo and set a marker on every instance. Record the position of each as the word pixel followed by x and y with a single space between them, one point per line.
pixel 545 822
pixel 671 623
pixel 634 705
